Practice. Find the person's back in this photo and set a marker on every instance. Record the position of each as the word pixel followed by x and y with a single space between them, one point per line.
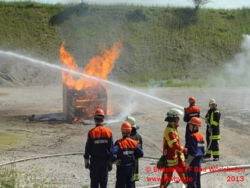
pixel 195 153
pixel 98 152
pixel 125 153
pixel 100 146
pixel 189 112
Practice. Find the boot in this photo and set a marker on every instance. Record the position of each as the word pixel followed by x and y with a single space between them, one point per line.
pixel 207 156
pixel 216 159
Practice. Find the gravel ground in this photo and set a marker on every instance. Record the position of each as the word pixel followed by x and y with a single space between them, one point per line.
pixel 42 138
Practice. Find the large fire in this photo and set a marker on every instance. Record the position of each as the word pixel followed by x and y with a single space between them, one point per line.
pixel 83 95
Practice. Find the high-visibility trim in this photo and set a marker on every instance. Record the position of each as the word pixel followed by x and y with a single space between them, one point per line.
pixel 212 122
pixel 215 137
pixel 166 136
pixel 200 144
pixel 181 150
pixel 100 141
pixel 182 157
pixel 128 152
pixel 136 177
pixel 209 152
pixel 215 152
pixel 172 162
pixel 171 142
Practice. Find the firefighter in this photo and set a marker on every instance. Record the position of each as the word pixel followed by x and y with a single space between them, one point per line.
pixel 172 149
pixel 213 131
pixel 189 112
pixel 195 153
pixel 135 136
pixel 125 152
pixel 98 152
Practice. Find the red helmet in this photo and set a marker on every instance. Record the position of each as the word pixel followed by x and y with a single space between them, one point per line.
pixel 191 99
pixel 99 112
pixel 195 121
pixel 126 127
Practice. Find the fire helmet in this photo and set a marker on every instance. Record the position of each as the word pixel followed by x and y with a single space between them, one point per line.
pixel 99 112
pixel 212 101
pixel 195 121
pixel 172 114
pixel 191 99
pixel 132 121
pixel 126 128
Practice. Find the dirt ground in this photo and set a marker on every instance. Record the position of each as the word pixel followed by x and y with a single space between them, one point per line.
pixel 21 138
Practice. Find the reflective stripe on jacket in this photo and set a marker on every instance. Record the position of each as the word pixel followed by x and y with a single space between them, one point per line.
pixel 172 147
pixel 99 143
pixel 196 144
pixel 189 112
pixel 213 119
pixel 126 150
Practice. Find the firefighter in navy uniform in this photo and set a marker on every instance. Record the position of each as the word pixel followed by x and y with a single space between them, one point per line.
pixel 189 112
pixel 125 152
pixel 98 152
pixel 135 136
pixel 195 153
pixel 213 131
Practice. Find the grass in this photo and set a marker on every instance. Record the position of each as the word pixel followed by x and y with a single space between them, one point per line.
pixel 166 44
pixel 8 177
pixel 11 178
pixel 10 140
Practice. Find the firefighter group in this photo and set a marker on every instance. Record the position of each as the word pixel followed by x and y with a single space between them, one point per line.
pixel 100 152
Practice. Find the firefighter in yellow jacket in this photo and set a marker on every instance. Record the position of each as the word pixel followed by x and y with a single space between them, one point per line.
pixel 173 150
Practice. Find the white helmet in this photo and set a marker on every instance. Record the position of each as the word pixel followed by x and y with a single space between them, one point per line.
pixel 212 101
pixel 173 112
pixel 132 121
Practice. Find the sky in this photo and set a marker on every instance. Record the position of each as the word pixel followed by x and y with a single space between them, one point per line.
pixel 224 4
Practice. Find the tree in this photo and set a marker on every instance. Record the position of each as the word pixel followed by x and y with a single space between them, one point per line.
pixel 199 3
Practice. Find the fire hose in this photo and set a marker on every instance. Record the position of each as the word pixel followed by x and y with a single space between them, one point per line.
pixel 245 166
pixel 54 155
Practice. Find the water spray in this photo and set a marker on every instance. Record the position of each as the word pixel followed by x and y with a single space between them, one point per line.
pixel 44 63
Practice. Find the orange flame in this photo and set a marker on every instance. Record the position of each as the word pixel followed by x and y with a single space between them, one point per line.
pixel 99 66
pixel 69 62
pixel 94 96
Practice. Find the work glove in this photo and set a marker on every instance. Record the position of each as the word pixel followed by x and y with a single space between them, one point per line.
pixel 110 166
pixel 86 162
